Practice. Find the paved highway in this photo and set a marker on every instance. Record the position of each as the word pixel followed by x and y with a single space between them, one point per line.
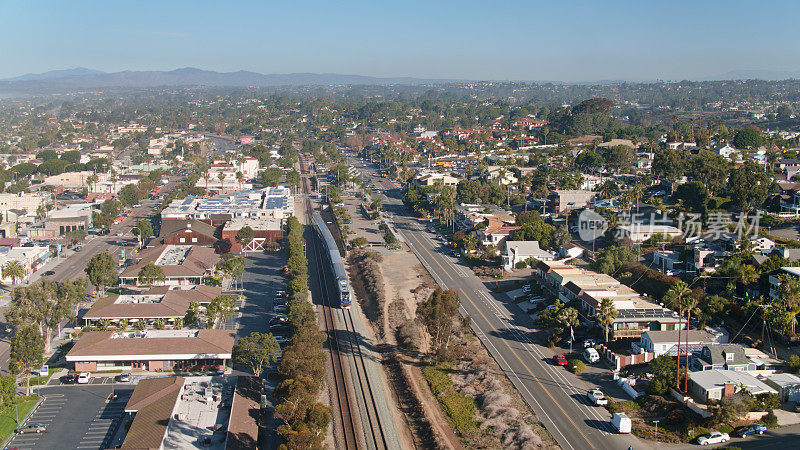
pixel 557 396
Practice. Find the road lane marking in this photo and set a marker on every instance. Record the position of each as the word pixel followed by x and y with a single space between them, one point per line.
pixel 527 369
pixel 512 351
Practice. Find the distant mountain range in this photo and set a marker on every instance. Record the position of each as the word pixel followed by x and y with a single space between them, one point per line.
pixel 82 78
pixel 76 72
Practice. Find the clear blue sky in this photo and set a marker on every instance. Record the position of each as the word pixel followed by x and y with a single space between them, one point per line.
pixel 569 40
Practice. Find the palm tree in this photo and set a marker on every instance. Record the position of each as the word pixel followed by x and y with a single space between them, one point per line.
pixel 240 178
pixel 13 269
pixel 221 178
pixel 91 180
pixel 675 299
pixel 113 177
pixel 606 315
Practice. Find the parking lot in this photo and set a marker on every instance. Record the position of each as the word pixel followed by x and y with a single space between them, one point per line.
pixel 81 417
pixel 260 281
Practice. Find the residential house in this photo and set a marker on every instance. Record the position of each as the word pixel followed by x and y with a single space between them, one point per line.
pixel 494 234
pixel 640 232
pixel 666 342
pixel 787 385
pixel 667 261
pixel 775 279
pixel 523 251
pixel 564 200
pixel 718 384
pixel 468 216
pixel 722 357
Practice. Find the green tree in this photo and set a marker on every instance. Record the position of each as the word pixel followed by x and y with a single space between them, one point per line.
pixel 192 315
pixel 13 269
pixel 26 353
pixel 271 176
pixel 606 314
pixel 244 236
pixel 151 274
pixel 748 138
pixel 438 314
pixel 45 304
pixel 748 185
pixel 255 351
pixel 669 165
pixel 129 195
pixel 611 259
pixel 142 230
pixel 102 271
pixel 679 297
pixel 220 307
pixel 694 196
pixel 75 237
pixel 711 169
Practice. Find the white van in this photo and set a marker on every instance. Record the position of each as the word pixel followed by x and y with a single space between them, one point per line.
pixel 591 356
pixel 621 422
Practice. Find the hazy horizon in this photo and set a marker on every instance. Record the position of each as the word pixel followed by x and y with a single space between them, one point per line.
pixel 517 41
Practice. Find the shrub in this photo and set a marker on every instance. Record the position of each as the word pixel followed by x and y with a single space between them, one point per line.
pixel 699 431
pixel 725 428
pixel 623 406
pixel 458 408
pixel 770 420
pixel 576 366
pixel 793 364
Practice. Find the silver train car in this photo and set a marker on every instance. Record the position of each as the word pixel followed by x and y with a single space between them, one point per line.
pixel 334 259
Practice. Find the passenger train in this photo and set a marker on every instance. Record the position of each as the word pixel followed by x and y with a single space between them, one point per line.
pixel 334 259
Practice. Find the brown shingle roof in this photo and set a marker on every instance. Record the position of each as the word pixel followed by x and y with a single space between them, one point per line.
pixel 153 401
pixel 99 344
pixel 174 303
pixel 245 410
pixel 172 227
pixel 197 261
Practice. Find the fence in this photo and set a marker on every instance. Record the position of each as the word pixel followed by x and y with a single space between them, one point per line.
pixel 619 361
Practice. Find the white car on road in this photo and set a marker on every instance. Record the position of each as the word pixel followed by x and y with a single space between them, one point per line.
pixel 83 378
pixel 597 398
pixel 715 437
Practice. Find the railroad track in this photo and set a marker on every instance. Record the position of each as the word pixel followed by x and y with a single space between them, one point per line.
pixel 374 436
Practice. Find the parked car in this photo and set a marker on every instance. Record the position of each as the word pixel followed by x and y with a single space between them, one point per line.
pixel 69 378
pixel 597 398
pixel 796 407
pixel 32 428
pixel 715 437
pixel 280 308
pixel 123 377
pixel 278 319
pixel 535 298
pixel 83 378
pixel 589 343
pixel 49 273
pixel 279 327
pixel 78 248
pixel 591 356
pixel 752 429
pixel 621 422
pixel 526 288
pixel 559 360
